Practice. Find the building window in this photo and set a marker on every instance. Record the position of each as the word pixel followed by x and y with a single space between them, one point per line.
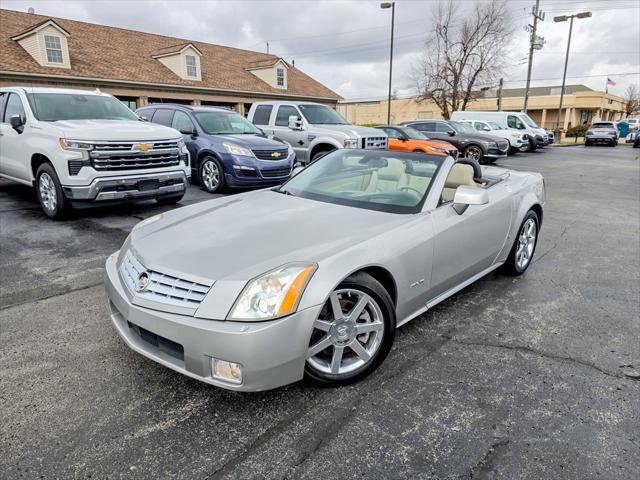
pixel 280 77
pixel 192 70
pixel 54 49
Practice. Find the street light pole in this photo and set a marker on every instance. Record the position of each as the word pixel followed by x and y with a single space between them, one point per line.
pixel 392 6
pixel 564 18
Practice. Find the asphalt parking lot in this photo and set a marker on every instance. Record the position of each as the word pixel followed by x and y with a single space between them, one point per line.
pixel 529 377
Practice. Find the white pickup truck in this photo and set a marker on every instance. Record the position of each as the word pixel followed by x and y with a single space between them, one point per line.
pixel 80 148
pixel 312 129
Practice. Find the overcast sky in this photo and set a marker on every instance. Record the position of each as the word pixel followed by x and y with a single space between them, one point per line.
pixel 345 44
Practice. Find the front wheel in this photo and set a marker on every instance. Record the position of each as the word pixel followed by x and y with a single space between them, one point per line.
pixel 529 146
pixel 474 152
pixel 524 246
pixel 50 195
pixel 353 332
pixel 211 175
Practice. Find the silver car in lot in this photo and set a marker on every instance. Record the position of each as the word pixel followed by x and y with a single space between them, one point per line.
pixel 254 291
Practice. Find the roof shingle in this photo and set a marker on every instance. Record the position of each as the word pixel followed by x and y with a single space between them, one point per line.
pixel 98 51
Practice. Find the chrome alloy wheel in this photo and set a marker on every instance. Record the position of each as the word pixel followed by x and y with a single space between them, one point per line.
pixel 347 333
pixel 48 194
pixel 474 152
pixel 210 175
pixel 526 243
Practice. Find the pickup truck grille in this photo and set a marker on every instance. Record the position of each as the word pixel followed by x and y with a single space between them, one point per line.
pixel 161 288
pixel 277 154
pixel 113 156
pixel 374 143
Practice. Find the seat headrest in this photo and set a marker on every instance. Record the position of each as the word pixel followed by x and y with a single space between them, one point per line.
pixel 460 174
pixel 393 171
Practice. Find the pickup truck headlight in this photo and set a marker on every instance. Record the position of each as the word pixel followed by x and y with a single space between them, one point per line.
pixel 274 294
pixel 350 143
pixel 76 145
pixel 234 149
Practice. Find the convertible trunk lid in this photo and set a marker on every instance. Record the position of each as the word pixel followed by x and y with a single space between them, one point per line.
pixel 242 236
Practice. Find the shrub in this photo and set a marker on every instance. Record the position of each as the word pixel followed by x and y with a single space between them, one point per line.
pixel 577 131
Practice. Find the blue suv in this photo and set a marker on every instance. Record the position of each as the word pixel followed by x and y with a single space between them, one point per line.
pixel 226 149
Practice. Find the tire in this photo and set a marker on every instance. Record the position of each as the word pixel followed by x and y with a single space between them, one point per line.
pixel 320 154
pixel 50 195
pixel 587 143
pixel 530 147
pixel 211 175
pixel 332 336
pixel 475 152
pixel 515 265
pixel 172 200
pixel 512 150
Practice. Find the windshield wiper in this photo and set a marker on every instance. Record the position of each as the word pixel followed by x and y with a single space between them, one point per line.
pixel 283 191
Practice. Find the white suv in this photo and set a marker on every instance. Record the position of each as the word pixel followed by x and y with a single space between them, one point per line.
pixel 81 148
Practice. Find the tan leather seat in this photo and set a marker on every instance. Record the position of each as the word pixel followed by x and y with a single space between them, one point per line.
pixel 460 174
pixel 389 178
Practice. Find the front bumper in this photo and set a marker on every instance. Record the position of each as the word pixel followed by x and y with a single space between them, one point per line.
pixel 272 353
pixel 495 153
pixel 128 187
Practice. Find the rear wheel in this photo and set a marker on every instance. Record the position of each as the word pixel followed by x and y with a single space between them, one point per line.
pixel 524 246
pixel 50 195
pixel 353 332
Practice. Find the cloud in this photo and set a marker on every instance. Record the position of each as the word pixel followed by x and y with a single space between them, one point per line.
pixel 345 44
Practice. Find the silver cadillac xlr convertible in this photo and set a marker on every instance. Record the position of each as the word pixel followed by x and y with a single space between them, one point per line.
pixel 257 290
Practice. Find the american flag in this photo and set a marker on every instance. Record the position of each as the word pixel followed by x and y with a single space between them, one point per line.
pixel 610 82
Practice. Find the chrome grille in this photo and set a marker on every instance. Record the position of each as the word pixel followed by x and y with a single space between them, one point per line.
pixel 277 154
pixel 124 155
pixel 162 288
pixel 374 142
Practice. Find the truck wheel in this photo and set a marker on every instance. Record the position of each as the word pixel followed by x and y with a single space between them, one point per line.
pixel 474 152
pixel 50 195
pixel 211 175
pixel 173 199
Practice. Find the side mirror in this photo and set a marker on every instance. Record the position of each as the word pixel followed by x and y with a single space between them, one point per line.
pixel 522 127
pixel 403 138
pixel 467 195
pixel 451 133
pixel 17 123
pixel 295 122
pixel 188 131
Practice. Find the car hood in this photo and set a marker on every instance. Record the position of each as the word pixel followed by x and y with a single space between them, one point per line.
pixel 245 235
pixel 119 130
pixel 352 130
pixel 252 141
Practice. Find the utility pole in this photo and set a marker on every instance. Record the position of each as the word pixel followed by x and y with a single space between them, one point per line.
pixel 267 47
pixel 500 94
pixel 535 43
pixel 392 6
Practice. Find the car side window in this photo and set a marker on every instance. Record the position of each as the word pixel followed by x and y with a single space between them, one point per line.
pixel 14 107
pixel 146 113
pixel 391 132
pixel 163 117
pixel 181 121
pixel 424 126
pixel 284 112
pixel 262 114
pixel 513 122
pixel 443 127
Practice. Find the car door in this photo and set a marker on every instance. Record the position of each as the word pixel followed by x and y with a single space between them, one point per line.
pixel 468 244
pixel 296 138
pixel 14 153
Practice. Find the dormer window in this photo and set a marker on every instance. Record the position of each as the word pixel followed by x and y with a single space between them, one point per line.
pixel 280 77
pixel 54 49
pixel 192 68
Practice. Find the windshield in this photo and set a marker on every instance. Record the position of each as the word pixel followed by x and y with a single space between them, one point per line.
pixel 230 123
pixel 527 119
pixel 414 134
pixel 494 126
pixel 321 115
pixel 51 107
pixel 462 127
pixel 607 125
pixel 394 182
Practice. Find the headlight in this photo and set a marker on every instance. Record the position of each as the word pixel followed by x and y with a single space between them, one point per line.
pixel 274 294
pixel 147 221
pixel 182 146
pixel 237 149
pixel 441 150
pixel 350 143
pixel 74 145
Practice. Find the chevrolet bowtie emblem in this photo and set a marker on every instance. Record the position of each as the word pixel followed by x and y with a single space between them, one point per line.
pixel 276 154
pixel 143 147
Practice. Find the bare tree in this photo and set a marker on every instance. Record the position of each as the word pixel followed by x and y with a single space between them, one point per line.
pixel 631 100
pixel 464 50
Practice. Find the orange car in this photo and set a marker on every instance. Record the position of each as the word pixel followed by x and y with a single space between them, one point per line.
pixel 409 139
